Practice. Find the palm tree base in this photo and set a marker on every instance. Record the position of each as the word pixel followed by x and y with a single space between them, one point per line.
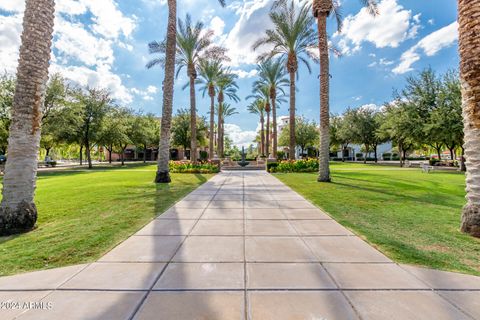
pixel 163 177
pixel 19 220
pixel 324 179
pixel 471 220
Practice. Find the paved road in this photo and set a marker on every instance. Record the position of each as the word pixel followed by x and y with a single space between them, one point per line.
pixel 242 246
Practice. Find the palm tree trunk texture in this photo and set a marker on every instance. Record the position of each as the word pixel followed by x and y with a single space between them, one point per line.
pixel 324 158
pixel 292 147
pixel 262 135
pixel 18 212
pixel 274 124
pixel 163 174
pixel 212 125
pixel 469 44
pixel 219 129
pixel 267 136
pixel 193 116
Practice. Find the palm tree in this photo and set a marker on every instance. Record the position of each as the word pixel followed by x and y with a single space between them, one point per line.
pixel 163 174
pixel 292 38
pixel 226 86
pixel 227 111
pixel 168 61
pixel 322 9
pixel 262 93
pixel 469 28
pixel 210 72
pixel 258 107
pixel 194 43
pixel 18 212
pixel 272 75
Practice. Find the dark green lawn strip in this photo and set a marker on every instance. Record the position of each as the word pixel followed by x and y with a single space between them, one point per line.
pixel 83 214
pixel 412 217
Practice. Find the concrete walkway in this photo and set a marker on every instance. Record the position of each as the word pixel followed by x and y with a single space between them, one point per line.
pixel 242 246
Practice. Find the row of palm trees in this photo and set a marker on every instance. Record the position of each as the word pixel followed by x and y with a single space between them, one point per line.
pixel 291 38
pixel 268 93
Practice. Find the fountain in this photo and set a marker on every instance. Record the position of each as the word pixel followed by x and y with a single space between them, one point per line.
pixel 243 163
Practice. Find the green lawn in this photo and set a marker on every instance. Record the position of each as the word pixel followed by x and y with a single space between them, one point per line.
pixel 411 216
pixel 83 214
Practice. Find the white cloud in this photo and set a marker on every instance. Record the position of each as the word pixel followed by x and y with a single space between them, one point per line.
pixel 240 137
pixel 12 5
pixel 217 25
pixel 242 74
pixel 152 89
pixel 10 30
pixel 83 51
pixel 252 21
pixel 99 77
pixel 392 26
pixel 429 45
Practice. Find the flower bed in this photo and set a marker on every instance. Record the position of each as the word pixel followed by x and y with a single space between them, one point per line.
pixel 188 167
pixel 307 165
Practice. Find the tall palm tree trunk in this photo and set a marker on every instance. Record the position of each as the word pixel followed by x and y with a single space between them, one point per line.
pixel 324 157
pixel 220 138
pixel 293 143
pixel 274 124
pixel 469 44
pixel 18 212
pixel 267 136
pixel 212 125
pixel 163 174
pixel 262 135
pixel 193 117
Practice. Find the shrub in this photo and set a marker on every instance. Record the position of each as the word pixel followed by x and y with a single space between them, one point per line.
pixel 305 165
pixel 434 162
pixel 280 155
pixel 203 155
pixel 188 167
pixel 272 166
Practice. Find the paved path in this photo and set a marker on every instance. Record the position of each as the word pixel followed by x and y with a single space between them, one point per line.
pixel 243 246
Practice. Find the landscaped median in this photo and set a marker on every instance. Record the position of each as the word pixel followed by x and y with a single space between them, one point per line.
pixel 412 217
pixel 83 214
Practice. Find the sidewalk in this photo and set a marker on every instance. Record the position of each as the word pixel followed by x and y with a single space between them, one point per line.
pixel 242 246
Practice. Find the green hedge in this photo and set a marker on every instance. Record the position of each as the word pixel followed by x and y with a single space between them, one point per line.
pixel 188 167
pixel 307 165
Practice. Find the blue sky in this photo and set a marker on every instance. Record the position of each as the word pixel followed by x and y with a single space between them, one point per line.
pixel 104 43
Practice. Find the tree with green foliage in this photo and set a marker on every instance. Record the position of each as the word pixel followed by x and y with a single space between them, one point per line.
pixel 449 114
pixel 341 130
pixel 145 132
pixel 94 104
pixel 307 134
pixel 398 127
pixel 181 130
pixel 364 128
